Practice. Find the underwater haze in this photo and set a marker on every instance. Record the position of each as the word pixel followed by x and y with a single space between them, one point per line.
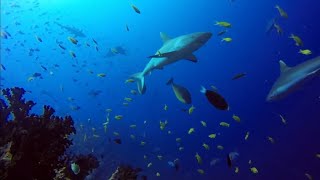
pixel 81 58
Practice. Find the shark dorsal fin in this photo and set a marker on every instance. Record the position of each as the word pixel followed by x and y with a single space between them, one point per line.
pixel 164 37
pixel 283 66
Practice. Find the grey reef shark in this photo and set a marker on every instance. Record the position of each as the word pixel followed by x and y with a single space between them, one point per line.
pixel 172 50
pixel 292 78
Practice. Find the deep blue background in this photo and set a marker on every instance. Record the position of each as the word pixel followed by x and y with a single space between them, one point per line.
pixel 252 51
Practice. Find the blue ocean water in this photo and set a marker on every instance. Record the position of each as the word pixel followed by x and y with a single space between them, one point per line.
pixel 68 84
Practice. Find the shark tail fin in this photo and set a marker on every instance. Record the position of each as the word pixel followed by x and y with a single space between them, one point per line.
pixel 170 81
pixel 139 77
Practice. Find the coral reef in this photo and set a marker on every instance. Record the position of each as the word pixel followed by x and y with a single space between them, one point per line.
pixel 126 172
pixel 34 146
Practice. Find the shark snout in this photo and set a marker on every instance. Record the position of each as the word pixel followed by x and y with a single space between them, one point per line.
pixel 206 36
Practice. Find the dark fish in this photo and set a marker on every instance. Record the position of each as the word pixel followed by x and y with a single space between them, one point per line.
pixel 2 66
pixel 136 9
pixel 95 41
pixel 97 49
pixel 44 67
pixel 117 141
pixel 215 99
pixel 36 75
pixel 229 161
pixel 62 47
pixel 127 27
pixel 8 33
pixel 222 32
pixel 176 164
pixel 182 94
pixel 238 76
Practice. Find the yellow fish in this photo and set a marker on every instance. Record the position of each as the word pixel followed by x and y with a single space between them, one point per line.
pixel 191 109
pixel 145 157
pixel 178 139
pixel 73 40
pixel 159 157
pixel 309 176
pixel 271 139
pixel 38 38
pixel 129 81
pixel 134 92
pixel 72 54
pixel 165 107
pixel 296 39
pixel 204 124
pixel 181 148
pixel 227 39
pixel 247 135
pixel 85 138
pixel 198 158
pixel 133 126
pixel 305 51
pixel 101 75
pixel 132 136
pixel 254 170
pixel 281 11
pixel 200 171
pixel 278 28
pixel 128 99
pixel 125 104
pixel 30 79
pixel 236 118
pixel 142 143
pixel 191 130
pixel 212 136
pixel 206 146
pixel 236 170
pixel 224 124
pixel 223 24
pixel 283 120
pixel 157 174
pixel 116 133
pixel 95 135
pixel 109 110
pixel 118 117
pixel 149 165
pixel 220 147
pixel 163 124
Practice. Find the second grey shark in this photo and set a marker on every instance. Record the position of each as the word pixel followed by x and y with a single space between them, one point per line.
pixel 291 78
pixel 172 51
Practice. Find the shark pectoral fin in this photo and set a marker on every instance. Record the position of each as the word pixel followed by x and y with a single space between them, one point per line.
pixel 283 66
pixel 192 58
pixel 164 37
